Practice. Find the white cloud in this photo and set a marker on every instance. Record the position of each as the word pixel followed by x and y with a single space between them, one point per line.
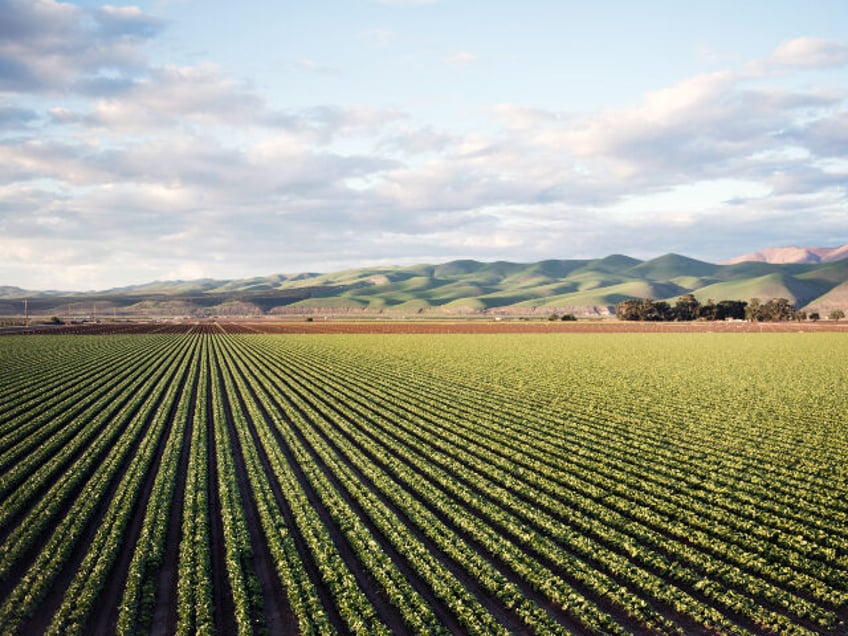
pixel 47 46
pixel 203 99
pixel 519 117
pixel 313 66
pixel 826 136
pixel 141 167
pixel 418 141
pixel 173 94
pixel 463 58
pixel 809 53
pixel 706 126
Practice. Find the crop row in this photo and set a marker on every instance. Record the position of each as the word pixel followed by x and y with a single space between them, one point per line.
pixel 211 482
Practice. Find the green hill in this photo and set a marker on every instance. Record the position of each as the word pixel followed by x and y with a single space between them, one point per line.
pixel 674 266
pixel 581 286
pixel 775 285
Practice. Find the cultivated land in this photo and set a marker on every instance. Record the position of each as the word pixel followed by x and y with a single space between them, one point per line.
pixel 485 483
pixel 467 326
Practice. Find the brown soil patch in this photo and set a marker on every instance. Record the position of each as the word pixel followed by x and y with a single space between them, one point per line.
pixel 429 327
pixel 474 327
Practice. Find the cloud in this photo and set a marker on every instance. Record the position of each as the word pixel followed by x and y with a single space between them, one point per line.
pixel 707 126
pixel 463 58
pixel 312 66
pixel 12 116
pixel 173 94
pixel 47 46
pixel 703 130
pixel 418 141
pixel 804 179
pixel 142 171
pixel 125 22
pixel 809 53
pixel 201 96
pixel 339 120
pixel 192 166
pixel 517 117
pixel 104 86
pixel 36 159
pixel 825 136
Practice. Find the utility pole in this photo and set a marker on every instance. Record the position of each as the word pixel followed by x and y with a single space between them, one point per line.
pixel 26 312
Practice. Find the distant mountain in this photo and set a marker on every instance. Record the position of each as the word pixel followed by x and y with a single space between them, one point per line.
pixel 9 291
pixel 787 255
pixel 463 287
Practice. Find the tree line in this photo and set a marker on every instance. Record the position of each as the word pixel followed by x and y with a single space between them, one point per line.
pixel 687 307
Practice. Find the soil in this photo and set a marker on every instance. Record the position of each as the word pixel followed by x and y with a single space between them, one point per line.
pixel 506 616
pixel 105 615
pixel 165 616
pixel 53 598
pixel 385 610
pixel 308 559
pixel 278 617
pixel 401 326
pixel 494 327
pixel 222 597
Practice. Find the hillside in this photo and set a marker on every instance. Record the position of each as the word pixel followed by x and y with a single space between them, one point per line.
pixel 793 254
pixel 463 287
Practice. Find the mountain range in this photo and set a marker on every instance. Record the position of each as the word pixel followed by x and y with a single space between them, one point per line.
pixel 467 287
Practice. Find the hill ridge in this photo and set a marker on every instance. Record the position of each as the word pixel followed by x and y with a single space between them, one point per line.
pixel 792 254
pixel 458 287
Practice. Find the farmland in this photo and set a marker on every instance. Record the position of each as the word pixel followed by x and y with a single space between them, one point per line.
pixel 607 483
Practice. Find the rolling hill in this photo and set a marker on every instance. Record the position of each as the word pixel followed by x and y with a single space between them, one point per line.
pixel 793 254
pixel 463 287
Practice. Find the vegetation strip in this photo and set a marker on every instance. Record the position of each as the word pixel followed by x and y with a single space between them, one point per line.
pixel 665 483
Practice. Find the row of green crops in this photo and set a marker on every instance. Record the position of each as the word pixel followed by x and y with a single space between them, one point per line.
pixel 479 484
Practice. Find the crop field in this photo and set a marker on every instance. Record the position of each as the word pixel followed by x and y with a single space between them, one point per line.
pixel 609 483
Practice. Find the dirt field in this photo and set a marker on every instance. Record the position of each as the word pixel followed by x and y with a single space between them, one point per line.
pixel 469 327
pixel 426 327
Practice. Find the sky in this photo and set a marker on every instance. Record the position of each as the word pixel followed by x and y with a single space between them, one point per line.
pixel 180 139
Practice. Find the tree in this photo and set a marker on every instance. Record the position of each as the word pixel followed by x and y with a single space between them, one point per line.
pixel 687 307
pixel 655 310
pixel 629 310
pixel 708 310
pixel 815 316
pixel 783 309
pixel 663 311
pixel 730 310
pixel 775 309
pixel 778 309
pixel 754 310
pixel 836 314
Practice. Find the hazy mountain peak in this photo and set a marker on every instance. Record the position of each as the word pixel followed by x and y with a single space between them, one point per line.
pixel 792 254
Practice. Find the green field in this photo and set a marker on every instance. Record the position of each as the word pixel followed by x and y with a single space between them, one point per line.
pixel 552 483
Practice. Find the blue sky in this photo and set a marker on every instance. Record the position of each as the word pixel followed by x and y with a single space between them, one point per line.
pixel 178 139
